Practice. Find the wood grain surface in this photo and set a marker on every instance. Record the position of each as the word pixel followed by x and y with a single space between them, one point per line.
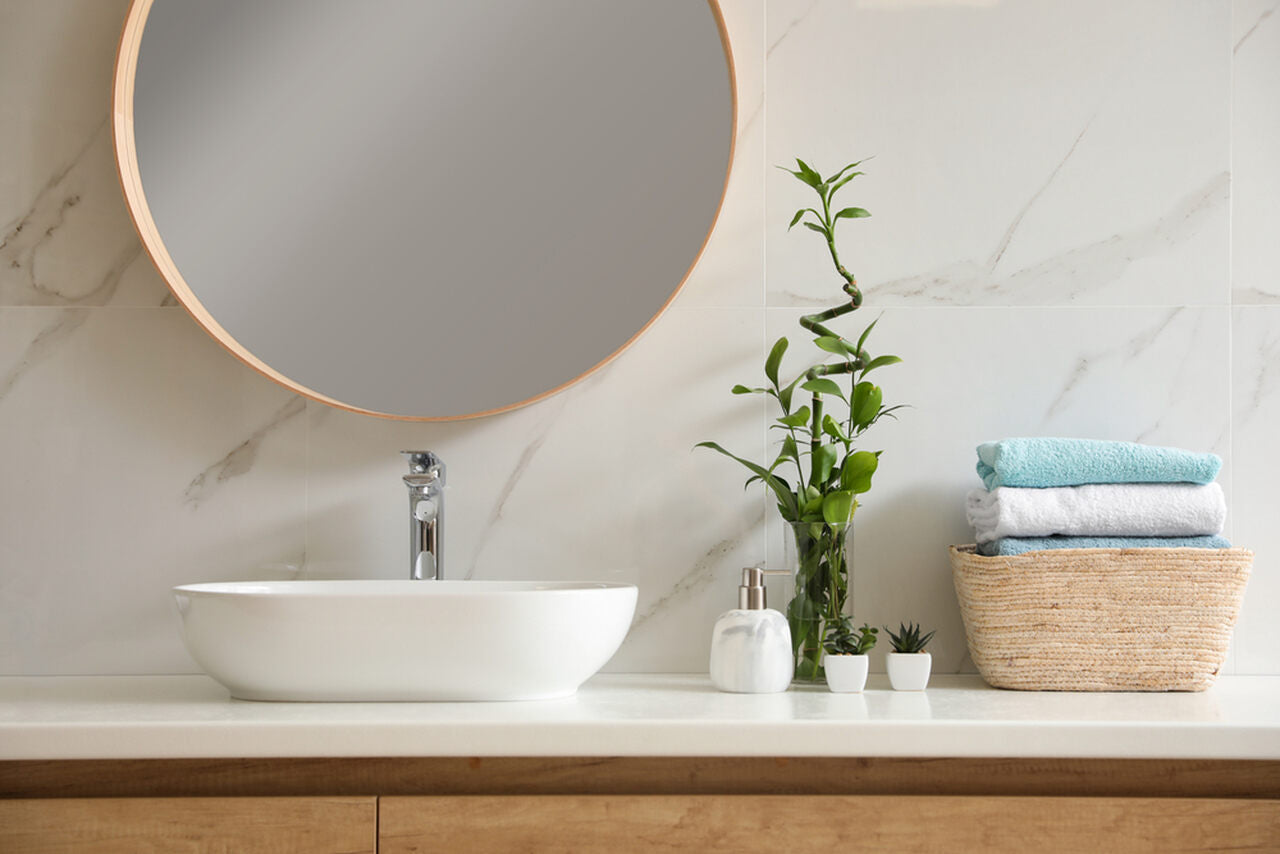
pixel 639 775
pixel 586 824
pixel 189 826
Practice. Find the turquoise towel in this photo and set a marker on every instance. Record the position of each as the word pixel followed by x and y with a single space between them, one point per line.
pixel 1018 545
pixel 1072 462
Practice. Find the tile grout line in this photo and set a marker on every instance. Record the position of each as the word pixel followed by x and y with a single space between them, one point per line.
pixel 763 295
pixel 1233 666
pixel 306 487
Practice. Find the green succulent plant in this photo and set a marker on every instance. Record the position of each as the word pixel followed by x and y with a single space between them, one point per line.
pixel 842 638
pixel 908 638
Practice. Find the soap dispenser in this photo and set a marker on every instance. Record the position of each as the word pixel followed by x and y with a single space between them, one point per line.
pixel 751 645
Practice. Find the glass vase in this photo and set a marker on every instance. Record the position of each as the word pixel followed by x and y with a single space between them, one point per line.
pixel 818 555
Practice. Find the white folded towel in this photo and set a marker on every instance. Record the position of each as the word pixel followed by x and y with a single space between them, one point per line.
pixel 1098 510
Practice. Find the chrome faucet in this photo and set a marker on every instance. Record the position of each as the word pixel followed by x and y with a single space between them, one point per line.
pixel 426 514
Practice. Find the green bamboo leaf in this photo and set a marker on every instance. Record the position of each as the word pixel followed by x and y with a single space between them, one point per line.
pixel 832 428
pixel 823 386
pixel 837 507
pixel 816 228
pixel 837 175
pixel 779 486
pixel 772 363
pixel 831 344
pixel 823 461
pixel 805 174
pixel 800 213
pixel 809 172
pixel 880 362
pixel 755 478
pixel 862 339
pixel 785 393
pixel 845 180
pixel 741 389
pixel 865 406
pixel 853 213
pixel 858 468
pixel 805 613
pixel 796 419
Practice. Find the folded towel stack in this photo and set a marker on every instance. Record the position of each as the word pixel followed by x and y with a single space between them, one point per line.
pixel 1086 493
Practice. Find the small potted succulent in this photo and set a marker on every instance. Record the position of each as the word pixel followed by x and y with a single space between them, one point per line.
pixel 909 664
pixel 845 654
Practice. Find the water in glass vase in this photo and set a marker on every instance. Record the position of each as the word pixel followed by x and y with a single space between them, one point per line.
pixel 818 554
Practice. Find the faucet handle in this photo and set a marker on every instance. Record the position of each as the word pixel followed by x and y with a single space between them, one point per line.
pixel 425 463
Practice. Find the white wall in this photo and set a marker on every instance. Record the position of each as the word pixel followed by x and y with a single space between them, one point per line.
pixel 1058 246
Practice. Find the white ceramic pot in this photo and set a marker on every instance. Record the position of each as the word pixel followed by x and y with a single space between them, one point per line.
pixel 846 673
pixel 909 671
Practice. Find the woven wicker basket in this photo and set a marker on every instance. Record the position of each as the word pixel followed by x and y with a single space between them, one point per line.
pixel 1100 619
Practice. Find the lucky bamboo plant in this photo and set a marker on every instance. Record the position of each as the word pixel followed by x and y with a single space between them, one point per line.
pixel 819 445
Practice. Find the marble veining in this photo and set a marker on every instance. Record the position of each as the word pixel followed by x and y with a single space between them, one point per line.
pixel 1264 384
pixel 1091 362
pixel 796 20
pixel 23 239
pixel 1089 239
pixel 705 571
pixel 1255 137
pixel 34 267
pixel 548 421
pixel 240 459
pixel 1261 19
pixel 1017 220
pixel 1071 276
pixel 46 342
pixel 1255 504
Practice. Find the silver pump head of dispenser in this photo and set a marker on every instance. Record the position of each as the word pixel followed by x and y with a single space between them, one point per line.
pixel 752 595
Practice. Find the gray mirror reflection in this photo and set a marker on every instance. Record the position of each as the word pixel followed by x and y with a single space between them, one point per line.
pixel 431 209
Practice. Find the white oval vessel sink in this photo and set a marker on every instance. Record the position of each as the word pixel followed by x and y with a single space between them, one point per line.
pixel 403 640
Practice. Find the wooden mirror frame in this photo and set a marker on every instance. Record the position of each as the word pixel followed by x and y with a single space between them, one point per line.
pixel 126 157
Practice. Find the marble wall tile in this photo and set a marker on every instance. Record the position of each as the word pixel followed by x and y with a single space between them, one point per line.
pixel 976 374
pixel 1049 249
pixel 1255 139
pixel 1029 153
pixel 601 482
pixel 137 455
pixel 65 236
pixel 1255 502
pixel 731 269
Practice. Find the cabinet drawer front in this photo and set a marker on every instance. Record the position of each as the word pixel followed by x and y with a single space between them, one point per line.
pixel 189 825
pixel 770 823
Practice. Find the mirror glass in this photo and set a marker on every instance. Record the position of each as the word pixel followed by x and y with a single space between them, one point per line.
pixel 424 208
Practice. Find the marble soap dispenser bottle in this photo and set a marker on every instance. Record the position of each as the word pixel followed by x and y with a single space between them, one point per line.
pixel 751 645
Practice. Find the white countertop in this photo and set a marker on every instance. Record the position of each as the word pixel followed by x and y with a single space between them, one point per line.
pixel 134 717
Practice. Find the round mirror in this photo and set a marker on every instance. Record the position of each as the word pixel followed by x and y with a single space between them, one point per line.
pixel 424 209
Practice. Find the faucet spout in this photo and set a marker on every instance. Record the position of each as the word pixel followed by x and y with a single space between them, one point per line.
pixel 425 481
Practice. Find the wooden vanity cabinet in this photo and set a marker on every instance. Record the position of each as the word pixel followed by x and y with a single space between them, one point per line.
pixel 609 824
pixel 341 825
pixel 614 805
